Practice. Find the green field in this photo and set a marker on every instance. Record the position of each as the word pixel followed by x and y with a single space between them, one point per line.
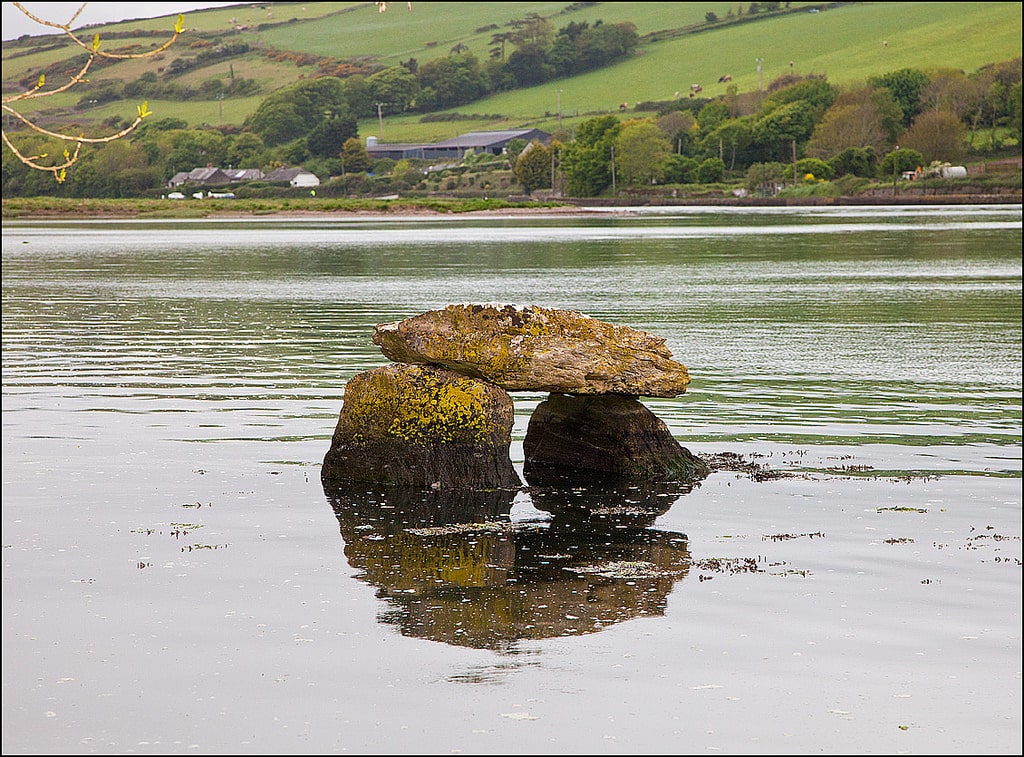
pixel 848 43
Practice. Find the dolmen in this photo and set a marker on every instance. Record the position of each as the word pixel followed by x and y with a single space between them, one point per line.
pixel 440 416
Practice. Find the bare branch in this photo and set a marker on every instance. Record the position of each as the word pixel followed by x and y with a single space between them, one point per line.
pixel 59 170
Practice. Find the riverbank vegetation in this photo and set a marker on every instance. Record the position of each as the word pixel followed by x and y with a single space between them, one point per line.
pixel 50 207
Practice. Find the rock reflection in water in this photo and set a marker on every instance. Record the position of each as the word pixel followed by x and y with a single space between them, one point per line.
pixel 453 567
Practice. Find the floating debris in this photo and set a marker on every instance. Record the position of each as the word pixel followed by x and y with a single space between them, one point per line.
pixel 728 565
pixel 784 537
pixel 731 461
pixel 623 569
pixel 793 572
pixel 190 548
pixel 462 528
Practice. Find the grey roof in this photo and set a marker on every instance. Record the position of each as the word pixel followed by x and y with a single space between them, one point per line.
pixel 492 141
pixel 208 174
pixel 243 174
pixel 285 174
pixel 485 138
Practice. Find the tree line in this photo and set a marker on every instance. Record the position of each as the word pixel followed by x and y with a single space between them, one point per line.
pixel 531 52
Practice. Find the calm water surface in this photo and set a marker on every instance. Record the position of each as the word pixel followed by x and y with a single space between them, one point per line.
pixel 176 579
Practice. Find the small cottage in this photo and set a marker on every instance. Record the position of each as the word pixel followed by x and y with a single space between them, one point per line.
pixel 296 177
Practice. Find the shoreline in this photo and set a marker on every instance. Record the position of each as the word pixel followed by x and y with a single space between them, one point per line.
pixel 49 209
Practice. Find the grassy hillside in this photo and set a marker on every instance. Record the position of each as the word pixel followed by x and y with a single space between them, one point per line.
pixel 847 42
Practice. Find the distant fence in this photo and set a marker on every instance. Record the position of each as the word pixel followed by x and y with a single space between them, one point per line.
pixel 1009 165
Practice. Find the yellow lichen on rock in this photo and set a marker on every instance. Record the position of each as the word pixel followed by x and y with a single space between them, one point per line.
pixel 420 405
pixel 424 426
pixel 536 349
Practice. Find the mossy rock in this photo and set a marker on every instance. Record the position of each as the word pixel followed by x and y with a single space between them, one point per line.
pixel 422 426
pixel 536 349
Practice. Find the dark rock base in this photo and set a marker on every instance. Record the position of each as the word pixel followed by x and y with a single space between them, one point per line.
pixel 573 438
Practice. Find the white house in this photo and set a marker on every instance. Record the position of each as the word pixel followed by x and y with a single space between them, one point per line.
pixel 296 177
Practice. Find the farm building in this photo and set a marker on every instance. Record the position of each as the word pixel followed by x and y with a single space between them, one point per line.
pixel 209 176
pixel 478 141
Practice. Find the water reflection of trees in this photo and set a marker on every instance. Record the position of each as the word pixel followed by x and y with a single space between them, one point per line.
pixel 454 567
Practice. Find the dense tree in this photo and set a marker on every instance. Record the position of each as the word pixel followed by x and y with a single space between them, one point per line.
pixel 640 152
pixel 680 128
pixel 814 91
pixel 406 173
pixel 528 66
pixel 859 118
pixel 898 161
pixel 844 126
pixel 359 97
pixel 681 169
pixel 564 54
pixel 245 151
pixel 905 86
pixel 788 117
pixel 950 90
pixel 856 161
pixel 604 43
pixel 294 153
pixel 294 111
pixel 277 123
pixel 451 81
pixel 20 179
pixel 814 167
pixel 395 88
pixel 161 124
pixel 731 140
pixel 778 133
pixel 118 169
pixel 765 177
pixel 711 115
pixel 328 137
pixel 354 157
pixel 513 148
pixel 1015 113
pixel 499 76
pixel 499 41
pixel 192 148
pixel 586 162
pixel 534 166
pixel 937 135
pixel 533 31
pixel 710 171
pixel 1004 77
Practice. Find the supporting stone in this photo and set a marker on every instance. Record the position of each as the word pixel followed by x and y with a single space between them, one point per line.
pixel 422 426
pixel 572 438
